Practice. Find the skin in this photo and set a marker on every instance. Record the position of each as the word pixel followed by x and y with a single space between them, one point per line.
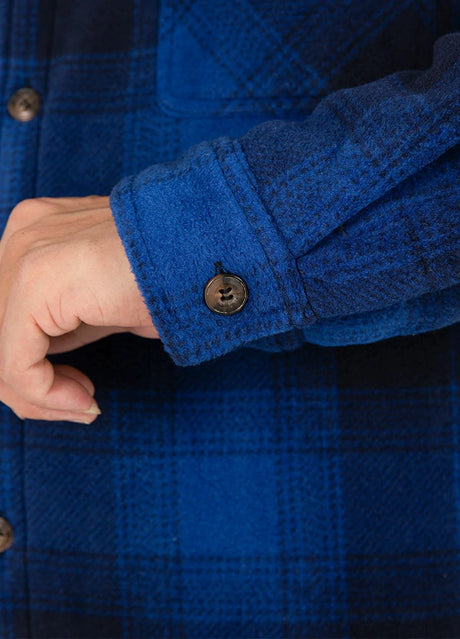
pixel 65 281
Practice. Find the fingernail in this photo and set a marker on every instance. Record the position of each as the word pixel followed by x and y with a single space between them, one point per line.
pixel 93 409
pixel 83 420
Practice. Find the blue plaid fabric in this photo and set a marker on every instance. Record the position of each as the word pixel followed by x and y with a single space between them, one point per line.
pixel 308 486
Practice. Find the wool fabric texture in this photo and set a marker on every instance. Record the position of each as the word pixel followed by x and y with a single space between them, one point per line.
pixel 292 470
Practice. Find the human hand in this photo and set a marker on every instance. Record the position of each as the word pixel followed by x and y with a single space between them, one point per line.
pixel 65 281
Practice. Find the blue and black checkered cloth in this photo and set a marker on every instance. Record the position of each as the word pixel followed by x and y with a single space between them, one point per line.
pixel 307 486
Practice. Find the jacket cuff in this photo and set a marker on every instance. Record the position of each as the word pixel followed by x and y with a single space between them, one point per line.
pixel 180 223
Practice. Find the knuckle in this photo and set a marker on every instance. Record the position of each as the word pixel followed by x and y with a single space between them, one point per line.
pixel 28 210
pixel 19 215
pixel 24 208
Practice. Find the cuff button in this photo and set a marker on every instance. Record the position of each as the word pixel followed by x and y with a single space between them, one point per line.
pixel 226 294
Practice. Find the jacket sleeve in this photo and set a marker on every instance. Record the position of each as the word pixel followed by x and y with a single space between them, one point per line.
pixel 353 211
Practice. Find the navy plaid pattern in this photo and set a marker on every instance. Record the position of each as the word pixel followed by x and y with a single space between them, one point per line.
pixel 304 493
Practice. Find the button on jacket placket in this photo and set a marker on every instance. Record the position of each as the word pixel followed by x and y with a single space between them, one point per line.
pixel 23 87
pixel 24 104
pixel 6 535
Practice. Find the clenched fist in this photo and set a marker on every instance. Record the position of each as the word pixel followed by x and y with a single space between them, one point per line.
pixel 65 281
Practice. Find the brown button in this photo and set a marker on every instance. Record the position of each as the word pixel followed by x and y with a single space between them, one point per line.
pixel 226 294
pixel 24 104
pixel 6 534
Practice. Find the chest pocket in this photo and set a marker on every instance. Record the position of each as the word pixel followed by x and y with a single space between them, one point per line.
pixel 217 57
